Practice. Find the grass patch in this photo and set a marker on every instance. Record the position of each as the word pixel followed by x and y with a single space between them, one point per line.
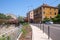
pixel 24 29
pixel 24 32
pixel 27 32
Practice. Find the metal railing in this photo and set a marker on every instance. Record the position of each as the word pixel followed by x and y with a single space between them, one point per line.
pixel 48 29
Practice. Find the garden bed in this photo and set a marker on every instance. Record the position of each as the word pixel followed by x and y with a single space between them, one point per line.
pixel 27 33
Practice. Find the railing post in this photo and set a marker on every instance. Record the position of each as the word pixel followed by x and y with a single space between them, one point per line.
pixel 48 32
pixel 43 28
pixel 40 24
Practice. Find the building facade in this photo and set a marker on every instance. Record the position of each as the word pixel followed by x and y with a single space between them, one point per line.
pixel 44 11
pixel 30 16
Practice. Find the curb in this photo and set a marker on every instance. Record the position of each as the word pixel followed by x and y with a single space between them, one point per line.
pixel 32 32
pixel 19 36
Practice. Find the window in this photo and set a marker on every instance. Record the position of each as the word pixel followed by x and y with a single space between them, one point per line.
pixel 50 8
pixel 54 9
pixel 55 13
pixel 31 13
pixel 43 12
pixel 43 7
pixel 40 8
pixel 50 13
pixel 50 17
pixel 36 11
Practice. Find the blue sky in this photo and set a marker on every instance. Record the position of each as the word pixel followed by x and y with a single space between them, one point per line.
pixel 21 7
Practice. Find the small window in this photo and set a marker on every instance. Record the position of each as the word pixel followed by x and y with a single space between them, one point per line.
pixel 36 11
pixel 50 13
pixel 54 9
pixel 50 17
pixel 50 8
pixel 40 8
pixel 31 13
pixel 43 12
pixel 44 7
pixel 55 13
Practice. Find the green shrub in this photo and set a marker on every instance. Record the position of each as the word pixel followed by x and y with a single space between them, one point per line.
pixel 24 32
pixel 8 38
pixel 4 38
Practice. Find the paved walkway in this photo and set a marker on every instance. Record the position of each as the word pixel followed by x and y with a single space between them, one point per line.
pixel 38 34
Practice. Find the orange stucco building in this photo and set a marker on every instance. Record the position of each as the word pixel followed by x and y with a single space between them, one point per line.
pixel 44 11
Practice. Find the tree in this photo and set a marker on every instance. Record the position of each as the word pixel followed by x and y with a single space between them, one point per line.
pixel 56 19
pixel 20 19
pixel 58 16
pixel 2 16
pixel 59 8
pixel 46 20
pixel 9 17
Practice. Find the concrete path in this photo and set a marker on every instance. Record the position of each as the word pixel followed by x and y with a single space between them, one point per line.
pixel 38 34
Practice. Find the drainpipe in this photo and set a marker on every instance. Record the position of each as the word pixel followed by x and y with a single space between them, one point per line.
pixel 42 15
